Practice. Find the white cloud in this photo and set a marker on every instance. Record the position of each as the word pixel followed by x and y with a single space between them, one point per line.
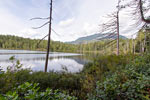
pixel 12 25
pixel 66 23
pixel 29 33
pixel 71 18
pixel 90 28
pixel 87 16
pixel 9 24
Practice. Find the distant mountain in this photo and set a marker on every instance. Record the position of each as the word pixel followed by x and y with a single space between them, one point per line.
pixel 95 37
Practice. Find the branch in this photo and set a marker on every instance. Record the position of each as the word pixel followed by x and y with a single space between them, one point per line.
pixel 109 36
pixel 142 14
pixel 108 43
pixel 45 37
pixel 39 18
pixel 41 40
pixel 112 43
pixel 55 32
pixel 41 25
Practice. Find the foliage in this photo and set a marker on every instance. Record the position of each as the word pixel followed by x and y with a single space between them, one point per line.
pixel 117 77
pixel 77 84
pixel 29 91
pixel 1 71
pixel 14 42
pixel 97 70
pixel 129 83
pixel 67 82
pixel 143 41
pixel 15 76
pixel 126 45
pixel 8 79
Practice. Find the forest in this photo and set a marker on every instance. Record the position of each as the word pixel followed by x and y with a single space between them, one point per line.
pixel 140 44
pixel 14 42
pixel 108 76
pixel 120 69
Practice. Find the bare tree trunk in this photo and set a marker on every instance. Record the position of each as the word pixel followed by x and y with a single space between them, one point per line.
pixel 142 47
pixel 49 36
pixel 117 35
pixel 145 43
pixel 118 29
pixel 133 46
pixel 141 12
pixel 128 46
pixel 149 43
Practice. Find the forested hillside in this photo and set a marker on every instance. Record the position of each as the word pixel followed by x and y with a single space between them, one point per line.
pixel 140 44
pixel 95 37
pixel 14 42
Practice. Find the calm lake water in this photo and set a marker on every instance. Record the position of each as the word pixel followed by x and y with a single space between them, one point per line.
pixel 36 60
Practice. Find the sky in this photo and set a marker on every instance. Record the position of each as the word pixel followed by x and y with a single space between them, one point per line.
pixel 71 18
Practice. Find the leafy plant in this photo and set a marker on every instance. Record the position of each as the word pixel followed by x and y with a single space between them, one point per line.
pixel 129 83
pixel 29 91
pixel 1 71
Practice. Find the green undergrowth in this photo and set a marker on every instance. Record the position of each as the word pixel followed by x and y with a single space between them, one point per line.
pixel 131 82
pixel 29 91
pixel 124 77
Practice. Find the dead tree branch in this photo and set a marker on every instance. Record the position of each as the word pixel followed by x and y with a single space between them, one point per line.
pixel 39 18
pixel 41 25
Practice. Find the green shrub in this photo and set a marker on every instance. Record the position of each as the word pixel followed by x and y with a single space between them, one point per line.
pixel 99 68
pixel 16 76
pixel 129 83
pixel 29 91
pixel 119 71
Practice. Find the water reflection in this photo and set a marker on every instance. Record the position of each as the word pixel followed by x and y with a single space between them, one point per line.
pixel 73 62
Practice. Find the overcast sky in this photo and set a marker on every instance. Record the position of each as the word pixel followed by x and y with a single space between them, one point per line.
pixel 71 18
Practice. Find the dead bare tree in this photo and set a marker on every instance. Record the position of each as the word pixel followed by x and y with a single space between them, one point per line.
pixel 139 11
pixel 49 33
pixel 143 11
pixel 49 36
pixel 118 26
pixel 112 25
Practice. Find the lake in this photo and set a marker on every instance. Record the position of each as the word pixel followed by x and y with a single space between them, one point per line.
pixel 35 60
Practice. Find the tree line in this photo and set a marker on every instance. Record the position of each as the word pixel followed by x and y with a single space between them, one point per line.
pixel 15 42
pixel 138 45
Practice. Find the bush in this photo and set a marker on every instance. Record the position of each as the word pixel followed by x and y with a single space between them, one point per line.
pixel 129 83
pixel 63 81
pixel 16 76
pixel 117 69
pixel 29 91
pixel 99 68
